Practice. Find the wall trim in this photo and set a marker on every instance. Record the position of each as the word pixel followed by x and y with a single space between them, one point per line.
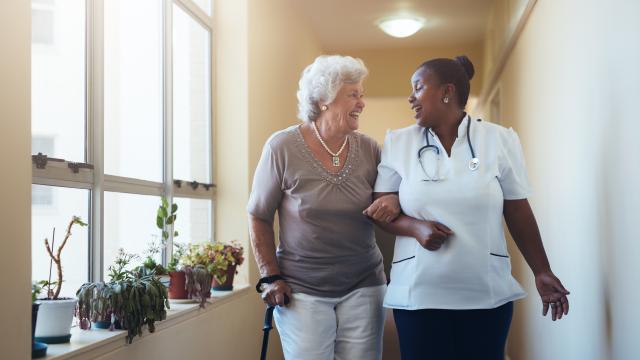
pixel 491 83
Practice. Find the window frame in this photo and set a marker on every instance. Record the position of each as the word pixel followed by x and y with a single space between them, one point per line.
pixel 94 179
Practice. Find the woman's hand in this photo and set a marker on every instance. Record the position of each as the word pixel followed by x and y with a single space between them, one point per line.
pixel 274 294
pixel 553 295
pixel 384 209
pixel 431 234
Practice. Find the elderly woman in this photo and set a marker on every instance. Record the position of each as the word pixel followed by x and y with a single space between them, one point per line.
pixel 319 176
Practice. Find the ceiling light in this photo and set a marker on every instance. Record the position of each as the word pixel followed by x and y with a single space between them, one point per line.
pixel 401 27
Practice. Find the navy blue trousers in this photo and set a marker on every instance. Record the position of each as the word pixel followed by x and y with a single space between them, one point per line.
pixel 435 334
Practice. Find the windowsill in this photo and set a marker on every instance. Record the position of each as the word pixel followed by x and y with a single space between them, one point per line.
pixel 89 344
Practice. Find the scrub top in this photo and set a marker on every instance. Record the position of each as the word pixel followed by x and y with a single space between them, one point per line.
pixel 472 269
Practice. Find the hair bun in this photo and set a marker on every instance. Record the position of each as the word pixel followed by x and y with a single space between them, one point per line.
pixel 466 64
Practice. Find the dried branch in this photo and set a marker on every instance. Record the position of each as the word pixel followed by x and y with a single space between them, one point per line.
pixel 56 258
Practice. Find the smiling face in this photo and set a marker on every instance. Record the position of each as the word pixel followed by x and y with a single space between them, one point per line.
pixel 427 98
pixel 347 107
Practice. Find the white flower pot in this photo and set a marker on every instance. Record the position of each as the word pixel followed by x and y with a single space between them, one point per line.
pixel 54 320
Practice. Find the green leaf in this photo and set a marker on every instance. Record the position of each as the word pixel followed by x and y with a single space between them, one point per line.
pixel 175 233
pixel 165 203
pixel 165 235
pixel 78 220
pixel 174 208
pixel 160 222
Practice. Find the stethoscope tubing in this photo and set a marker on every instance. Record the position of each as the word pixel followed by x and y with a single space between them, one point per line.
pixel 473 164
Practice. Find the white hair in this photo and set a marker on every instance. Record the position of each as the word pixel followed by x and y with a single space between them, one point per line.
pixel 321 81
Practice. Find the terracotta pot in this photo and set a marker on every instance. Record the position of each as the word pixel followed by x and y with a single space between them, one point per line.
pixel 228 284
pixel 177 285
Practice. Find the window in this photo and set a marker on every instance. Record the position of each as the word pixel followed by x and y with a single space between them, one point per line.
pixel 121 107
pixel 75 256
pixel 191 98
pixel 205 5
pixel 133 94
pixel 42 195
pixel 43 25
pixel 58 83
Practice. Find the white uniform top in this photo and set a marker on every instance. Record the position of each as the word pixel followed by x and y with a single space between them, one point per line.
pixel 472 269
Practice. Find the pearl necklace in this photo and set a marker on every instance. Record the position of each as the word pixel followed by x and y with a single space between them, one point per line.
pixel 335 158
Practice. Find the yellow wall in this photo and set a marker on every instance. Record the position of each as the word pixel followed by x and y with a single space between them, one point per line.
pixel 280 46
pixel 383 113
pixel 500 26
pixel 569 89
pixel 390 70
pixel 15 188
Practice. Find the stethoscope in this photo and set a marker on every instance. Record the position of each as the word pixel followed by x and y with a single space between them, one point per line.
pixel 473 163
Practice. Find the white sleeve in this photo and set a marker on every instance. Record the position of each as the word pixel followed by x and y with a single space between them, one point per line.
pixel 513 176
pixel 388 177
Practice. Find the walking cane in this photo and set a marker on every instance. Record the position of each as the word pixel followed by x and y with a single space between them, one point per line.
pixel 267 326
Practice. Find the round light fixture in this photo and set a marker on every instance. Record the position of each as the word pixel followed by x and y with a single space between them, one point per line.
pixel 401 27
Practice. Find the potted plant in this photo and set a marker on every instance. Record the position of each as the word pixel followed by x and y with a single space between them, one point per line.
pixel 38 349
pixel 177 277
pixel 55 314
pixel 198 271
pixel 165 220
pixel 226 259
pixel 96 301
pixel 131 299
pixel 151 267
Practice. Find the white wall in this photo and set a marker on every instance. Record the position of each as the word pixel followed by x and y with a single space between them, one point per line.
pixel 568 88
pixel 15 188
pixel 619 91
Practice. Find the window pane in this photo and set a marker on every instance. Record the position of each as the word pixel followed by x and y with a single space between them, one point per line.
pixel 129 223
pixel 133 92
pixel 191 99
pixel 58 77
pixel 56 211
pixel 204 5
pixel 194 220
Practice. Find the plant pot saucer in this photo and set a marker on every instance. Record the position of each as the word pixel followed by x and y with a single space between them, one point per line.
pixel 54 339
pixel 105 324
pixel 38 350
pixel 223 288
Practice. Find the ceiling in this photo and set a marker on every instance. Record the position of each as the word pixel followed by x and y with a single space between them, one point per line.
pixel 351 24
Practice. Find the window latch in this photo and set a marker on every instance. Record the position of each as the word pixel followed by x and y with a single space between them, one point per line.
pixel 76 166
pixel 193 184
pixel 41 160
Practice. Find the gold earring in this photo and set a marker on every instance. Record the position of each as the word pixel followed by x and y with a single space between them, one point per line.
pixel 324 107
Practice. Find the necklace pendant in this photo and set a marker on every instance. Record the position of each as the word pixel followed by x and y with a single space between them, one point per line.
pixel 336 161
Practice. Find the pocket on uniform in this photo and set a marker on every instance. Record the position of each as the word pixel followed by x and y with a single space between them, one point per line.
pixel 499 255
pixel 404 250
pixel 405 259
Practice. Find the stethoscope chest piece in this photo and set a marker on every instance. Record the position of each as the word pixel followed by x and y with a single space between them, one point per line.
pixel 474 163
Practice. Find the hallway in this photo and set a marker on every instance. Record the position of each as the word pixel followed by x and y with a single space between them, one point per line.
pixel 565 74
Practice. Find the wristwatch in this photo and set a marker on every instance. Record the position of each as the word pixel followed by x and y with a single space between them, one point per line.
pixel 267 280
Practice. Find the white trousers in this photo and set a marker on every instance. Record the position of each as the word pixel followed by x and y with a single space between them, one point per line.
pixel 344 328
